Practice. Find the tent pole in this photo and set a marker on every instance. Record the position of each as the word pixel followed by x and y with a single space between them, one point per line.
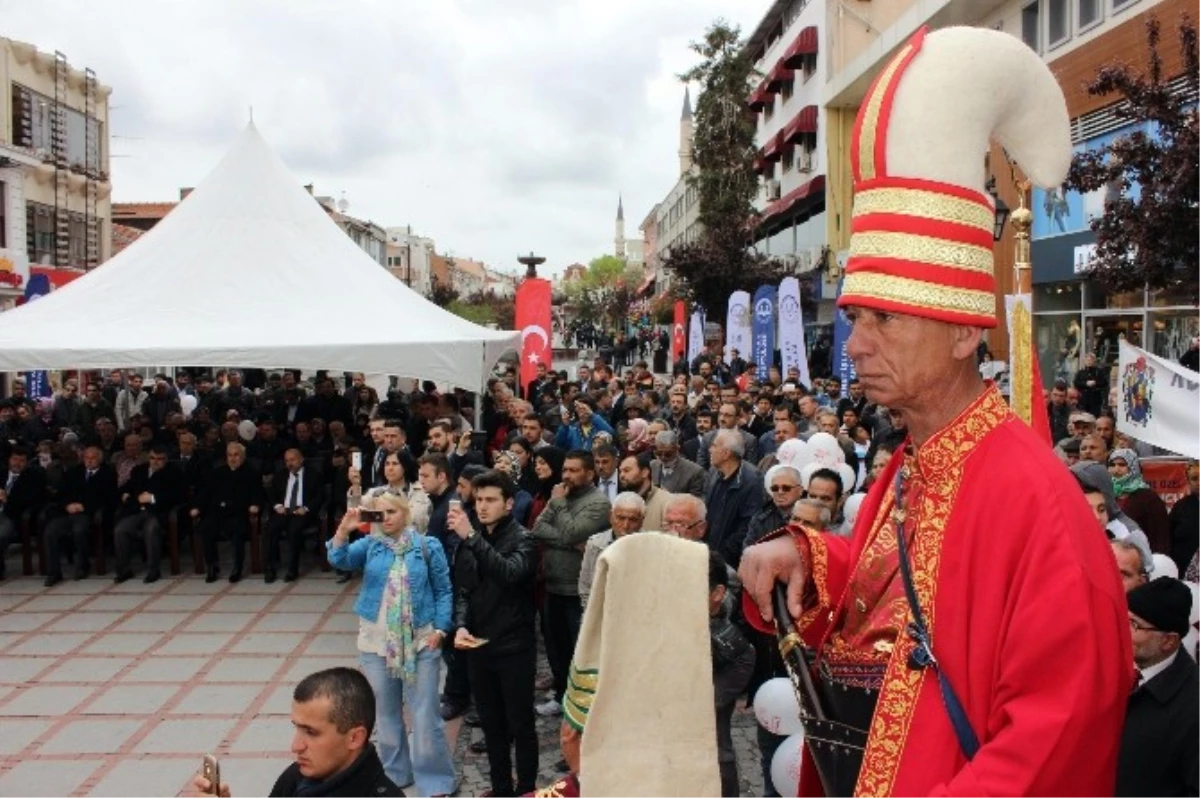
pixel 482 389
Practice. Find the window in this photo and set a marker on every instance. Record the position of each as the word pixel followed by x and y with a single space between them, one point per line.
pixel 1088 13
pixel 1119 4
pixel 786 91
pixel 1029 26
pixel 1059 22
pixel 769 110
pixel 789 158
pixel 809 67
pixel 39 223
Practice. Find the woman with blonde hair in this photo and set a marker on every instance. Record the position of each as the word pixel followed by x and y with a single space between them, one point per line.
pixel 404 611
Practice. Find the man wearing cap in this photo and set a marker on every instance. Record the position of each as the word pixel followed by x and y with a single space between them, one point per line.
pixel 1161 738
pixel 974 679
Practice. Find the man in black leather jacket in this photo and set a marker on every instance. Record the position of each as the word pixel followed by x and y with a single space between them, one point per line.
pixel 333 712
pixel 494 612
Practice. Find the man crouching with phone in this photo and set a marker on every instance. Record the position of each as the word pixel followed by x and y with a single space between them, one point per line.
pixel 333 712
pixel 494 613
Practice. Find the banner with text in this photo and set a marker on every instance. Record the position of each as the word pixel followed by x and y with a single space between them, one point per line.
pixel 1157 401
pixel 842 366
pixel 695 335
pixel 763 327
pixel 738 333
pixel 37 383
pixel 792 348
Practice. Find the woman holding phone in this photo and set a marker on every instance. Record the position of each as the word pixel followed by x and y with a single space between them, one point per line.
pixel 393 472
pixel 404 611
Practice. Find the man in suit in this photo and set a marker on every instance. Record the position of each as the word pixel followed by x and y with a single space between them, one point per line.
pixel 298 494
pixel 88 489
pixel 23 490
pixel 729 416
pixel 232 495
pixel 673 472
pixel 607 459
pixel 1159 742
pixel 153 490
pixel 733 493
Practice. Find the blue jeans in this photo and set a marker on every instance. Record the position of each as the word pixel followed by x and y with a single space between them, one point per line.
pixel 430 764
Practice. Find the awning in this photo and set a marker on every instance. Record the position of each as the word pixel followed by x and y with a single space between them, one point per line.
pixel 805 44
pixel 803 122
pixel 778 76
pixel 758 98
pixel 795 198
pixel 773 149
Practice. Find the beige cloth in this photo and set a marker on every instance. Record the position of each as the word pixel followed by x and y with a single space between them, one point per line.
pixel 644 649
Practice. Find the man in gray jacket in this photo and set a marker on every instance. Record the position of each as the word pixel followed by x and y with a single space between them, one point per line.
pixel 577 510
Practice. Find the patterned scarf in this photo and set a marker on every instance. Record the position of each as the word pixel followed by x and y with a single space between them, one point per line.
pixel 1123 486
pixel 400 648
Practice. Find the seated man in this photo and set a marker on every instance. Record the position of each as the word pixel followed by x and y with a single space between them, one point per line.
pixel 22 490
pixel 299 495
pixel 153 490
pixel 231 496
pixel 334 713
pixel 89 488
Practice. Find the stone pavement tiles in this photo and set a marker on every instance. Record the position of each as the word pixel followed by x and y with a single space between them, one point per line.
pixel 120 689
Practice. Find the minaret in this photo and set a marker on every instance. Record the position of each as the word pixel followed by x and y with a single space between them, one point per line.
pixel 685 134
pixel 620 238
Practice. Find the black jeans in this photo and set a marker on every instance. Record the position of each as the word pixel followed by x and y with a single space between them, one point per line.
pixel 142 525
pixel 728 685
pixel 293 527
pixel 237 526
pixel 503 689
pixel 563 616
pixel 77 528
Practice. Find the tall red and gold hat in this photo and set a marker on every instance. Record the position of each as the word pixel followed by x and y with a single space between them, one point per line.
pixel 921 235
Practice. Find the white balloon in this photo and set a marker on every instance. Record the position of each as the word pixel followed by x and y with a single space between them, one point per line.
pixel 247 430
pixel 807 472
pixel 826 450
pixel 1164 566
pixel 1194 618
pixel 785 766
pixel 850 508
pixel 794 453
pixel 776 707
pixel 187 403
pixel 849 478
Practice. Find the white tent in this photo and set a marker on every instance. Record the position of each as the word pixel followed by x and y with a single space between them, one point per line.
pixel 249 271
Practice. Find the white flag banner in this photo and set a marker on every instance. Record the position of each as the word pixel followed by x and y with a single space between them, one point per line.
pixel 1158 401
pixel 792 347
pixel 738 334
pixel 695 335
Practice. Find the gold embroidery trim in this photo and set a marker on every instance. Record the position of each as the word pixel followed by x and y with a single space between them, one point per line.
pixel 866 139
pixel 918 293
pixel 922 249
pixel 925 204
pixel 818 577
pixel 901 686
pixel 1022 362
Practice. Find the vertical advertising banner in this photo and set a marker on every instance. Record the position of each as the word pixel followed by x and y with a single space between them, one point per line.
pixel 695 335
pixel 37 383
pixel 763 329
pixel 679 331
pixel 737 325
pixel 533 320
pixel 842 367
pixel 792 348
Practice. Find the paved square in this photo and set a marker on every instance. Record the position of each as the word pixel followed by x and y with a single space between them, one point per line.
pixel 120 689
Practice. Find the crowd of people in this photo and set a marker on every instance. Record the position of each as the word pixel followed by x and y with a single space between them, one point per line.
pixel 477 521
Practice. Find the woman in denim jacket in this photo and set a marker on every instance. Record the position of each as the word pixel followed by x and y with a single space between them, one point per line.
pixel 404 611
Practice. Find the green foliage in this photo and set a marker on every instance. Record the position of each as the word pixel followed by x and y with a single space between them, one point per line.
pixel 485 308
pixel 711 269
pixel 1151 240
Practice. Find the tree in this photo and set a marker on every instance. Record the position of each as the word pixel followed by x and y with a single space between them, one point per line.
pixel 722 260
pixel 1150 239
pixel 442 294
pixel 605 290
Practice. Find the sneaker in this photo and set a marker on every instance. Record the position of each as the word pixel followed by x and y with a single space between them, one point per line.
pixel 549 708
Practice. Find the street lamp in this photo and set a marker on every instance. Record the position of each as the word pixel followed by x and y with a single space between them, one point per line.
pixel 531 262
pixel 1002 211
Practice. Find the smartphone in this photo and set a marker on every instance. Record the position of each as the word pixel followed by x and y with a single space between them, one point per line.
pixel 371 516
pixel 478 441
pixel 356 461
pixel 211 770
pixel 456 504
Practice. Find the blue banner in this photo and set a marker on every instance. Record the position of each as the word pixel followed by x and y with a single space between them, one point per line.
pixel 763 330
pixel 842 367
pixel 37 383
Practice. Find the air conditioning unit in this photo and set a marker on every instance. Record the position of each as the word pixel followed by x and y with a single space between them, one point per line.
pixel 804 160
pixel 773 190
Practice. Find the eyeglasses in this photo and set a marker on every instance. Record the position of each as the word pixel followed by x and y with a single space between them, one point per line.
pixel 1137 626
pixel 782 488
pixel 680 526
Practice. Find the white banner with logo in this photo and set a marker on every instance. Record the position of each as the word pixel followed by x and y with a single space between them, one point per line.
pixel 738 334
pixel 792 348
pixel 1158 401
pixel 695 335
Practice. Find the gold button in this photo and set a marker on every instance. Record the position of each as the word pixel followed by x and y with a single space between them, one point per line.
pixel 884 647
pixel 861 605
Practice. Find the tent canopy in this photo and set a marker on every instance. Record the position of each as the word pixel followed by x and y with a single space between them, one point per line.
pixel 248 271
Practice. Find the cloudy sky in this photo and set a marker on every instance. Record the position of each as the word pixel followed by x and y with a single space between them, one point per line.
pixel 493 126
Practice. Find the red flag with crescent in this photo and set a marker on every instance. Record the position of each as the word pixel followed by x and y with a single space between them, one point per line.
pixel 679 331
pixel 533 320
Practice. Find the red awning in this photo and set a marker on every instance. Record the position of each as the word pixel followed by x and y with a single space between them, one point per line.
pixel 789 202
pixel 805 44
pixel 773 149
pixel 758 98
pixel 803 122
pixel 778 76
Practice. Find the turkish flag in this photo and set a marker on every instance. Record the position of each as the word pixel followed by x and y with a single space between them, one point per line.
pixel 679 331
pixel 533 320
